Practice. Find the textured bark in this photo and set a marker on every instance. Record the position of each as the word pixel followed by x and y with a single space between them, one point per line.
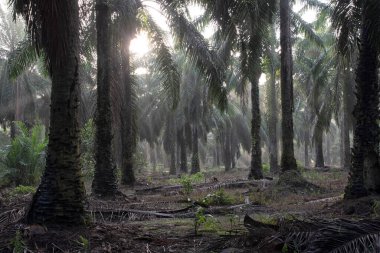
pixel 319 159
pixel 172 170
pixel 328 150
pixel 256 164
pixel 183 155
pixel 195 167
pixel 227 148
pixel 105 181
pixel 13 130
pixel 60 196
pixel 364 175
pixel 347 124
pixel 272 122
pixel 288 162
pixel 127 134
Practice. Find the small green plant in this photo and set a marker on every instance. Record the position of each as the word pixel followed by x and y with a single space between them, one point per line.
pixel 376 208
pixel 266 168
pixel 198 177
pixel 207 221
pixel 200 219
pixel 24 159
pixel 233 220
pixel 218 198
pixel 17 243
pixel 84 243
pixel 187 182
pixel 187 185
pixel 211 224
pixel 23 190
pixel 285 248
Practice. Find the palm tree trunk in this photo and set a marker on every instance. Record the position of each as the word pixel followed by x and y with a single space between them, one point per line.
pixel 347 96
pixel 105 182
pixel 195 167
pixel 152 155
pixel 328 150
pixel 365 173
pixel 319 159
pixel 127 133
pixel 182 145
pixel 172 170
pixel 272 123
pixel 227 148
pixel 288 162
pixel 256 164
pixel 60 196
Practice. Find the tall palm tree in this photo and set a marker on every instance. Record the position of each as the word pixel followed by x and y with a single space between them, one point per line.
pixel 288 162
pixel 104 183
pixel 54 27
pixel 243 25
pixel 349 18
pixel 271 64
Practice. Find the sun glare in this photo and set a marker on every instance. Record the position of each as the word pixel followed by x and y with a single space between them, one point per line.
pixel 140 45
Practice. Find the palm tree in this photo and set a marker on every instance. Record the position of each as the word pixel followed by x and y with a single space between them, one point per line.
pixel 271 65
pixel 288 162
pixel 104 183
pixel 349 17
pixel 243 25
pixel 54 27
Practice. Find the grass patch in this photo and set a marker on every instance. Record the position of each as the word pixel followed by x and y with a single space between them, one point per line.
pixel 22 190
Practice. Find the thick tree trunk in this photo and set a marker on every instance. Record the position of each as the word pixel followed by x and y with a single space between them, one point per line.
pixel 288 162
pixel 195 167
pixel 347 124
pixel 13 129
pixel 319 159
pixel 365 172
pixel 328 150
pixel 227 148
pixel 272 123
pixel 256 164
pixel 153 159
pixel 172 170
pixel 182 145
pixel 105 181
pixel 60 196
pixel 218 153
pixel 128 138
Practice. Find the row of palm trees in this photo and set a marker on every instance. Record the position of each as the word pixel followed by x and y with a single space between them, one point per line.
pixel 53 27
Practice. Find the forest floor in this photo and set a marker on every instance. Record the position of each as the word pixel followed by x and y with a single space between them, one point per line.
pixel 167 214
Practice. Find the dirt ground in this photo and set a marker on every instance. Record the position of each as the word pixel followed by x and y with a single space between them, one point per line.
pixel 159 215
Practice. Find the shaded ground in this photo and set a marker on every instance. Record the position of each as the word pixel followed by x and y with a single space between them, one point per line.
pixel 160 217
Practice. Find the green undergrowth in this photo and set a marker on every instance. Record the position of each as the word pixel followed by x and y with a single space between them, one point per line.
pixel 22 190
pixel 219 198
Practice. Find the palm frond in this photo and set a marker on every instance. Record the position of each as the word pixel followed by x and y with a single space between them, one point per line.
pixel 21 59
pixel 306 28
pixel 165 65
pixel 198 50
